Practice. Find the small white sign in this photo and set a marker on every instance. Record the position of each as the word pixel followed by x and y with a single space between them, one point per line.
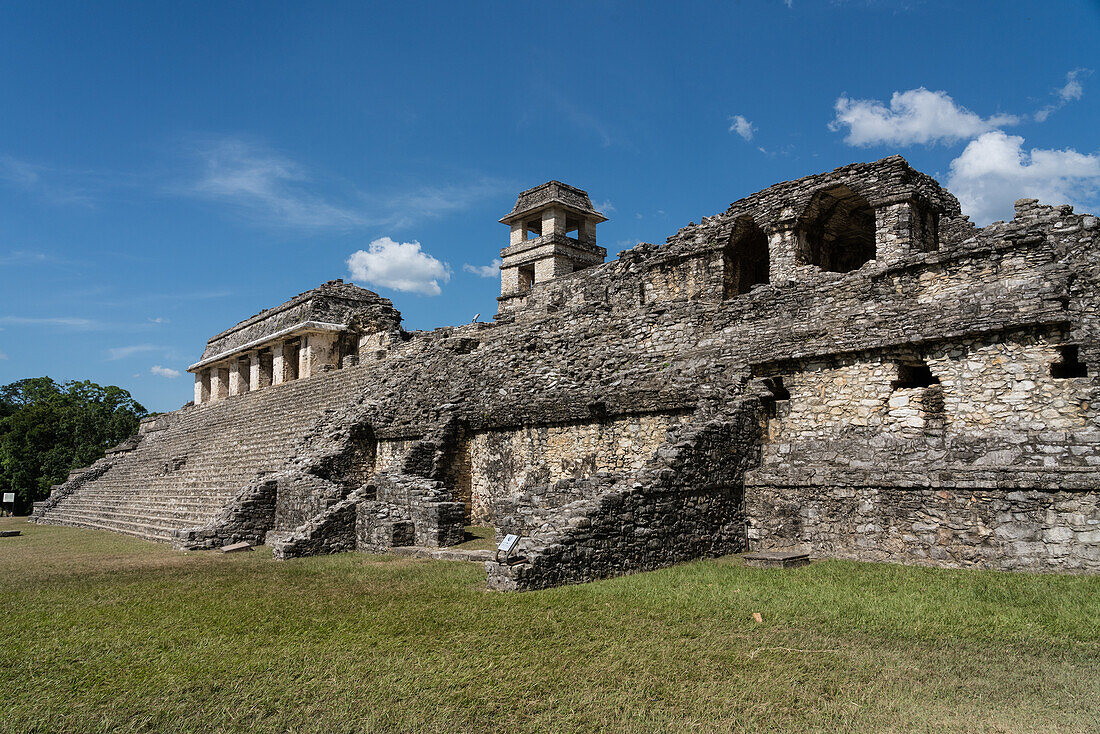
pixel 508 543
pixel 10 497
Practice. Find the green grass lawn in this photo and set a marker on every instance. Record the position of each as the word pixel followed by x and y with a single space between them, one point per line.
pixel 106 633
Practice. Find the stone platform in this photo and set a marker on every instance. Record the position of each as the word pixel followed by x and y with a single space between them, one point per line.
pixel 776 559
pixel 444 554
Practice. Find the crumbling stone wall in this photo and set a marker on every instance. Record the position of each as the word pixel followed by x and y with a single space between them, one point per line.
pixel 687 502
pixel 505 462
pixel 986 389
pixel 409 510
pixel 247 518
pixel 393 451
pixel 959 523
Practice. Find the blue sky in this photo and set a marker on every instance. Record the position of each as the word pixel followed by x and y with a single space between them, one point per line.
pixel 169 169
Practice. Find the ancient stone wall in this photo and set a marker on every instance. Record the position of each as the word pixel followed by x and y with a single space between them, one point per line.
pixel 687 502
pixel 505 462
pixel 969 527
pixel 985 394
pixel 953 360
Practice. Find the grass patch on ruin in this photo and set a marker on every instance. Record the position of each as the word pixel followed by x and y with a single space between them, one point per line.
pixel 477 537
pixel 106 633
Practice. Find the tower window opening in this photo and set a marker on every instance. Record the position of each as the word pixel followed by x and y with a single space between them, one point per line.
pixel 1069 364
pixel 526 277
pixel 746 258
pixel 838 230
pixel 533 228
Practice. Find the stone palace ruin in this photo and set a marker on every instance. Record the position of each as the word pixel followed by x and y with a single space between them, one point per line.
pixel 842 364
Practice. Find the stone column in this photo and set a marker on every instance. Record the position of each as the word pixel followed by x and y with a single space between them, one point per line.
pixel 254 370
pixel 278 366
pixel 553 221
pixel 238 383
pixel 903 228
pixel 373 345
pixel 318 353
pixel 587 233
pixel 785 249
pixel 219 383
pixel 519 233
pixel 303 356
pixel 893 231
pixel 202 386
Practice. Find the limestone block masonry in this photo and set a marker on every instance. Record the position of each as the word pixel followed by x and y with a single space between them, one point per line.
pixel 841 365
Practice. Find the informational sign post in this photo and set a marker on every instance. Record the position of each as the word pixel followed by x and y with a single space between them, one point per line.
pixel 506 547
pixel 9 500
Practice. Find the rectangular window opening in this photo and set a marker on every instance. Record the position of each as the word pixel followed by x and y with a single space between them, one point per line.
pixel 1069 364
pixel 526 277
pixel 777 404
pixel 914 374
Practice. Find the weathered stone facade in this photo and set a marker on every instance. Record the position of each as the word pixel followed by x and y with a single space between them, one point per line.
pixel 841 364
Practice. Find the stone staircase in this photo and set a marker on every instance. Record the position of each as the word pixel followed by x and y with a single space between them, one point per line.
pixel 181 475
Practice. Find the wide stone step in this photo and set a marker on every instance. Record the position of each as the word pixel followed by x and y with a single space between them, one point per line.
pixel 163 513
pixel 147 532
pixel 444 554
pixel 123 495
pixel 134 519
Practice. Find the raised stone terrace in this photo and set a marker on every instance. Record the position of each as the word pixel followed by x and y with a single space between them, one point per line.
pixel 841 365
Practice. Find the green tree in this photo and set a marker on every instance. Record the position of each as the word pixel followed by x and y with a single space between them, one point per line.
pixel 48 429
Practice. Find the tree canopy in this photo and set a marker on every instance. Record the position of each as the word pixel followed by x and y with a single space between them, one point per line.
pixel 48 429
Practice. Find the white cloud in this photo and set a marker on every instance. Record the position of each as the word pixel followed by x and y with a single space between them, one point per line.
pixel 491 270
pixel 63 185
pixel 20 173
pixel 158 320
pixel 604 206
pixel 265 186
pixel 1072 90
pixel 164 371
pixel 917 116
pixel 994 171
pixel 426 202
pixel 69 322
pixel 741 126
pixel 3 356
pixel 402 266
pixel 115 353
pixel 28 257
pixel 271 189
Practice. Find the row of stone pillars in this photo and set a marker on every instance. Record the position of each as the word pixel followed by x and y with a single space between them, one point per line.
pixel 272 364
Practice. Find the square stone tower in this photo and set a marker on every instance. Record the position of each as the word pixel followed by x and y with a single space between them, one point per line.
pixel 553 234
